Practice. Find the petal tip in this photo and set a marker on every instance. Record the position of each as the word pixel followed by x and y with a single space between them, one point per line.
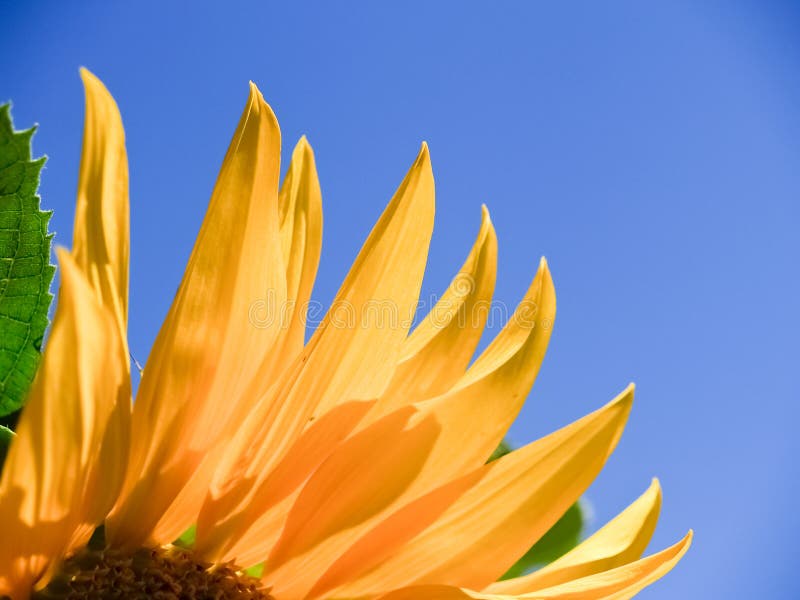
pixel 255 97
pixel 424 155
pixel 486 220
pixel 624 401
pixel 90 80
pixel 303 146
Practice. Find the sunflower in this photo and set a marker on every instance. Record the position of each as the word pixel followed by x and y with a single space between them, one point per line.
pixel 353 466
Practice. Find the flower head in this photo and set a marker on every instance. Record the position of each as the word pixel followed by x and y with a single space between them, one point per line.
pixel 350 466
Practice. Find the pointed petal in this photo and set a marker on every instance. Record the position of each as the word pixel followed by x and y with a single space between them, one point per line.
pixel 478 410
pixel 472 537
pixel 353 486
pixel 351 355
pixel 620 583
pixel 523 341
pixel 277 493
pixel 208 348
pixel 623 582
pixel 619 542
pixel 301 238
pixel 65 466
pixel 100 236
pixel 300 214
pixel 436 354
pixel 471 420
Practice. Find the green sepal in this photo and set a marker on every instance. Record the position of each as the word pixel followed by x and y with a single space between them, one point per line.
pixel 186 540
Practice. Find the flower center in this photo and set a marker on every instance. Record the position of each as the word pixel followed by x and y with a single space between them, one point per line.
pixel 164 573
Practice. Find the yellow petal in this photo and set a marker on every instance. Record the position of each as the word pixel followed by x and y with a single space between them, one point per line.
pixel 352 354
pixel 301 239
pixel 471 420
pixel 100 236
pixel 65 466
pixel 437 592
pixel 277 493
pixel 356 484
pixel 619 542
pixel 208 348
pixel 300 204
pixel 470 538
pixel 478 410
pixel 523 341
pixel 620 583
pixel 436 354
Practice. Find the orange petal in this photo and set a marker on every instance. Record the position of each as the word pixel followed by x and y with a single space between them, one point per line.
pixel 300 207
pixel 300 204
pixel 351 355
pixel 473 538
pixel 619 542
pixel 259 530
pixel 353 486
pixel 209 346
pixel 471 421
pixel 436 354
pixel 100 236
pixel 620 583
pixel 65 466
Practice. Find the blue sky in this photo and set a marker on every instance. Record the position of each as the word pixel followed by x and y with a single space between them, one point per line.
pixel 650 151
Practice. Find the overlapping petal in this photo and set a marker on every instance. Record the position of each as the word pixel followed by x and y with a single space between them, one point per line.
pixel 300 202
pixel 471 420
pixel 619 542
pixel 209 348
pixel 620 583
pixel 63 471
pixel 351 356
pixel 437 352
pixel 470 531
pixel 100 243
pixel 354 466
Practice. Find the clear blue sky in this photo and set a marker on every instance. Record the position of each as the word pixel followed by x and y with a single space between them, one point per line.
pixel 650 150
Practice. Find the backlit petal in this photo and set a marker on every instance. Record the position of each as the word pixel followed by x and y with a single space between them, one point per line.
pixel 209 346
pixel 469 537
pixel 470 420
pixel 65 466
pixel 300 204
pixel 436 354
pixel 619 542
pixel 351 356
pixel 620 583
pixel 100 242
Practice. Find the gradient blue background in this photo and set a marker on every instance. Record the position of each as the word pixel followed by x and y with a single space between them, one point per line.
pixel 650 151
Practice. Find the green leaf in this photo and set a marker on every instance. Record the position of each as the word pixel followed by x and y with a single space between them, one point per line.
pixel 6 435
pixel 559 539
pixel 25 269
